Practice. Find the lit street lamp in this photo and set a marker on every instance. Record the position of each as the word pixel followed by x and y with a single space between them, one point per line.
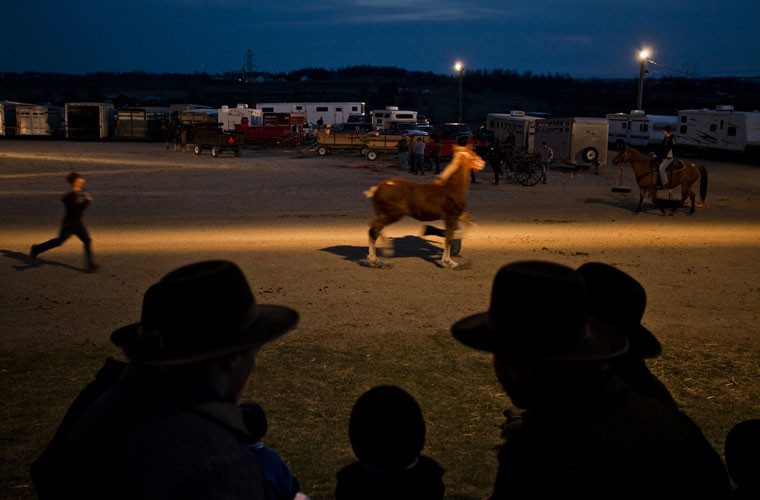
pixel 643 57
pixel 459 67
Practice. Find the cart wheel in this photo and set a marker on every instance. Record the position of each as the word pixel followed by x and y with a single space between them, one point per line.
pixel 372 155
pixel 528 172
pixel 215 151
pixel 197 149
pixel 322 151
pixel 364 151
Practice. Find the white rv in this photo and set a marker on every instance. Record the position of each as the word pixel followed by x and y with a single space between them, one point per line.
pixel 331 113
pixel 576 141
pixel 719 129
pixel 229 117
pixel 521 125
pixel 392 119
pixel 638 128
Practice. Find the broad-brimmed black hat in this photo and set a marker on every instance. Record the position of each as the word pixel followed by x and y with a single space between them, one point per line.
pixel 199 312
pixel 617 298
pixel 539 311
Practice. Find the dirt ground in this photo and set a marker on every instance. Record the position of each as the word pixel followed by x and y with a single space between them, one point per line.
pixel 297 225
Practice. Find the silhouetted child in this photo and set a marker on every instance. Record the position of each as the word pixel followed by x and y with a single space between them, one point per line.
pixel 387 434
pixel 742 451
pixel 279 482
pixel 75 201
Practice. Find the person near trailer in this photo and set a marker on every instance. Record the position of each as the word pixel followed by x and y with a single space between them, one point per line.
pixel 547 157
pixel 76 202
pixel 419 156
pixel 583 432
pixel 665 156
pixel 437 147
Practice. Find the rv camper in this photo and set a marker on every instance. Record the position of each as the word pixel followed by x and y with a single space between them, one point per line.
pixel 230 117
pixel 521 125
pixel 141 124
pixel 393 120
pixel 638 128
pixel 719 129
pixel 580 142
pixel 89 120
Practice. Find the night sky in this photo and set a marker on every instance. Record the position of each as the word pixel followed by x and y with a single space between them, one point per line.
pixel 584 38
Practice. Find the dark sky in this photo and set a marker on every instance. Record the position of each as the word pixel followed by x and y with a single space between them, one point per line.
pixel 581 38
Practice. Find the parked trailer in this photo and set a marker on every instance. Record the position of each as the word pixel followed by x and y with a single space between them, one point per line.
pixel 231 117
pixel 719 129
pixel 638 128
pixel 576 141
pixel 213 138
pixel 141 124
pixel 339 140
pixel 277 129
pixel 387 143
pixel 89 120
pixel 30 120
pixel 521 125
pixel 331 113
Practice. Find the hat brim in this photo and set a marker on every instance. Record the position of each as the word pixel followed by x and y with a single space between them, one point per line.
pixel 602 341
pixel 271 322
pixel 643 343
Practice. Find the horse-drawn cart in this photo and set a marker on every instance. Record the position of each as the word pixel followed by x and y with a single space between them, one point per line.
pixel 329 140
pixel 215 139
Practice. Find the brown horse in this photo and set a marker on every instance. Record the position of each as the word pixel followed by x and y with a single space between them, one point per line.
pixel 682 174
pixel 445 198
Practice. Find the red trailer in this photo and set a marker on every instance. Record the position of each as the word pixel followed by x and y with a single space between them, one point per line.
pixel 277 129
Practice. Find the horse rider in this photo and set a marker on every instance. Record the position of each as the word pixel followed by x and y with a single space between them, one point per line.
pixel 666 154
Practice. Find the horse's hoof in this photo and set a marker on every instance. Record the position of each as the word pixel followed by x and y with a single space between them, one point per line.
pixel 445 264
pixel 377 264
pixel 463 264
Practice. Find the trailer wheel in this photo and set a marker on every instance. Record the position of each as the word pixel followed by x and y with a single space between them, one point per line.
pixel 590 154
pixel 197 149
pixel 215 151
pixel 322 151
pixel 372 155
pixel 364 151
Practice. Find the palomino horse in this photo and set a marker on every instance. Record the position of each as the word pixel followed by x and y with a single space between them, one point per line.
pixel 445 198
pixel 683 174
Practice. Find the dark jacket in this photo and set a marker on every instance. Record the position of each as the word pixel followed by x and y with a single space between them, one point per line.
pixel 612 444
pixel 149 437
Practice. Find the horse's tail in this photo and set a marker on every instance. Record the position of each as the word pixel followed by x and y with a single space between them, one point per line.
pixel 702 182
pixel 369 193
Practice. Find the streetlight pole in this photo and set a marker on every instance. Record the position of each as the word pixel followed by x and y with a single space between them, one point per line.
pixel 643 57
pixel 459 67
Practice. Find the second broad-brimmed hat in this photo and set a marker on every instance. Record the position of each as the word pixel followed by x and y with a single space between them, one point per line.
pixel 617 298
pixel 539 311
pixel 199 312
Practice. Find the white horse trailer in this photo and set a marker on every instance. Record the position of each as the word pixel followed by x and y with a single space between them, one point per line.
pixel 331 113
pixel 719 129
pixel 638 128
pixel 521 125
pixel 576 141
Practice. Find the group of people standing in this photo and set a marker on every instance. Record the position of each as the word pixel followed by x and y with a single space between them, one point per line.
pixel 591 422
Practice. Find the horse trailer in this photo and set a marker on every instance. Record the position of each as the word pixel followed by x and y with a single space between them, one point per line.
pixel 638 128
pixel 141 124
pixel 521 125
pixel 89 120
pixel 331 113
pixel 576 141
pixel 719 129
